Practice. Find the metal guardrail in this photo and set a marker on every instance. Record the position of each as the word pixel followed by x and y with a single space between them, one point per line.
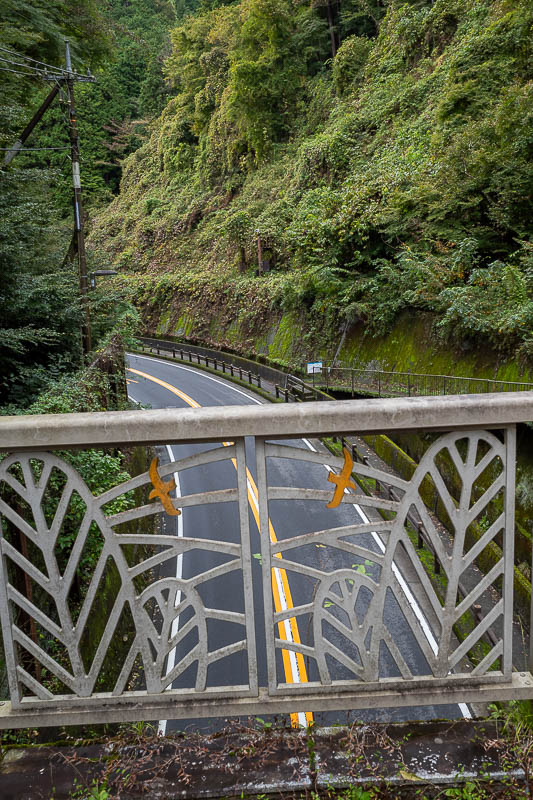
pixel 219 364
pixel 295 391
pixel 337 630
pixel 410 384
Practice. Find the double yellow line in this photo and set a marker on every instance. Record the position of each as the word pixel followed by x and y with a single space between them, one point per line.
pixel 292 662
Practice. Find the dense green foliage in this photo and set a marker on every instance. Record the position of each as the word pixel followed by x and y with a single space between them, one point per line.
pixel 124 45
pixel 39 318
pixel 396 176
pixel 112 113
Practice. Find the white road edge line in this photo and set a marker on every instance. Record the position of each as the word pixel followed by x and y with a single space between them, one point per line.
pixel 162 727
pixel 424 624
pixel 227 384
pixel 465 711
pixel 171 662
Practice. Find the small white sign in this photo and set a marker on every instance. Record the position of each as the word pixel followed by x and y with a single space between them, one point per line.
pixel 314 366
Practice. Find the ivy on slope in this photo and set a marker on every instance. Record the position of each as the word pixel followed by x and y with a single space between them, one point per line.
pixel 397 176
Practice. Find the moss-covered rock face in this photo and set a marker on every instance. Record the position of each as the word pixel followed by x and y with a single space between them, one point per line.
pixel 250 317
pixel 393 179
pixel 411 345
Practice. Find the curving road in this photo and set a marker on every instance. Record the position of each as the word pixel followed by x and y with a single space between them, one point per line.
pixel 161 384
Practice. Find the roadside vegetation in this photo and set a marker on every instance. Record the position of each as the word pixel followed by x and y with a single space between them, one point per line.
pixel 391 173
pixel 124 46
pixel 373 762
pixel 42 368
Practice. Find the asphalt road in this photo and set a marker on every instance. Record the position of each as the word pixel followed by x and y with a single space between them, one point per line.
pixel 160 384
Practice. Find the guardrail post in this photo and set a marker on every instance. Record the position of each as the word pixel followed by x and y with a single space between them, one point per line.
pixel 420 542
pixel 259 381
pixel 190 357
pixel 286 395
pixel 276 387
pixel 215 363
pixel 173 353
pixel 231 369
pixel 249 377
pixel 240 373
pixel 224 367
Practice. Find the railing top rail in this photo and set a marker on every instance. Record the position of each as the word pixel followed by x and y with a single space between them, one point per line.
pixel 145 427
pixel 426 375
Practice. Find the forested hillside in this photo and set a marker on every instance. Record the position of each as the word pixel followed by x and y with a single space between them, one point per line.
pixel 382 149
pixel 124 44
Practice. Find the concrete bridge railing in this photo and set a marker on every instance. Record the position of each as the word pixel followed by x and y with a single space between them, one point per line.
pixel 323 650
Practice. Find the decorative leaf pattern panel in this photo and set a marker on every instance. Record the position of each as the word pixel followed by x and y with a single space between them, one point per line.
pixel 359 610
pixel 45 633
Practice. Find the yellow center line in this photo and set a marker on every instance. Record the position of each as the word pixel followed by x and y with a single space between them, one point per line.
pixel 253 500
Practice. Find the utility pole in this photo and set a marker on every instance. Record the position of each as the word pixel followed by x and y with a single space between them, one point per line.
pixel 78 206
pixel 61 77
pixel 68 77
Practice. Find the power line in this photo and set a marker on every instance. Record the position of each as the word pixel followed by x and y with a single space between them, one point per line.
pixel 47 67
pixel 17 72
pixel 27 58
pixel 36 70
pixel 25 149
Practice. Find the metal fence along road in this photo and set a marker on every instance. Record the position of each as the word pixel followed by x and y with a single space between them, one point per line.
pixel 293 390
pixel 381 383
pixel 333 596
pixel 410 384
